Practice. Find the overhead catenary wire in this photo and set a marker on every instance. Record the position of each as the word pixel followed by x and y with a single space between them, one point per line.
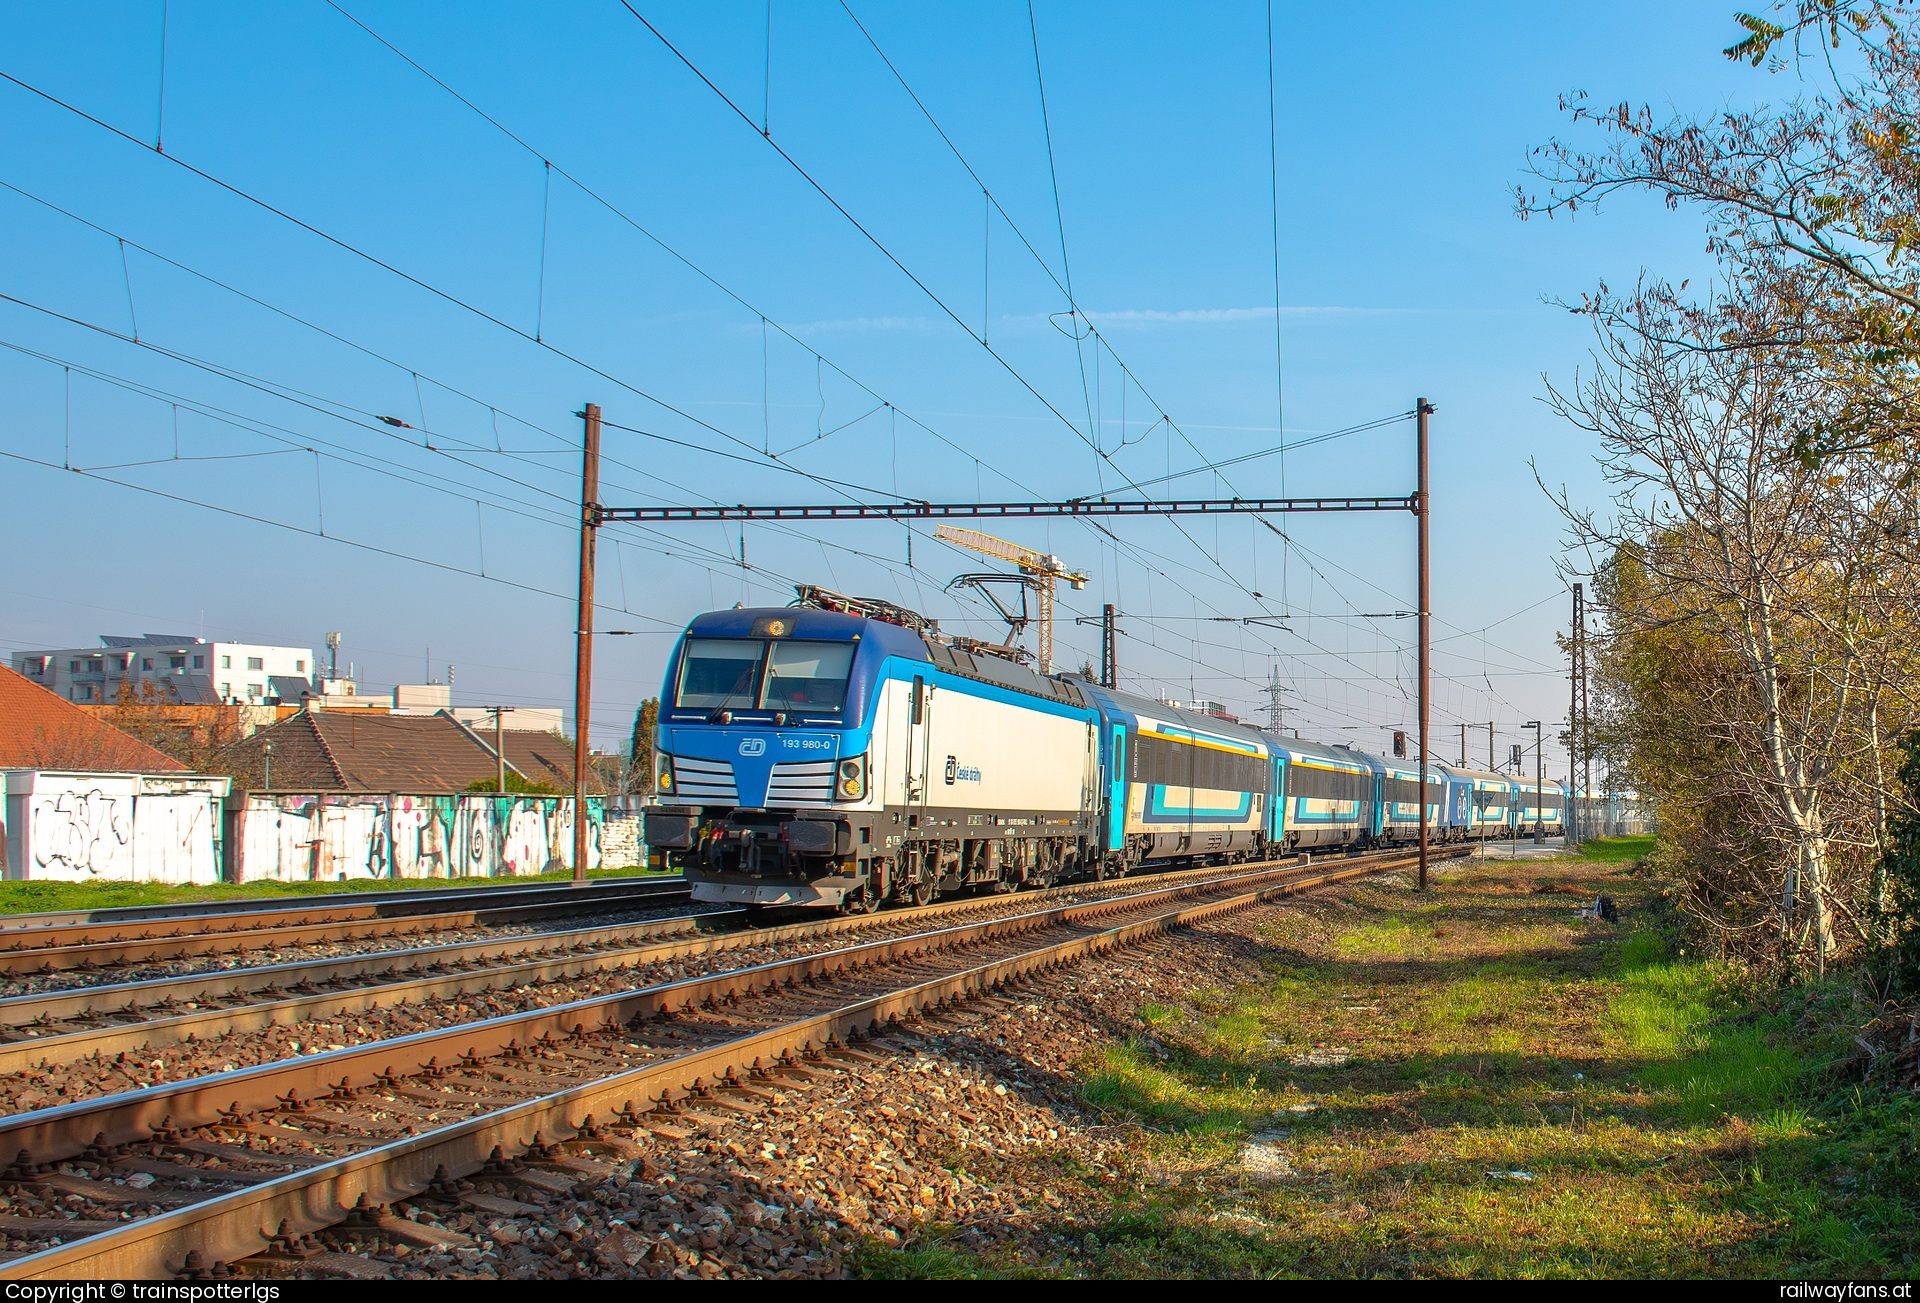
pixel 711 426
pixel 650 397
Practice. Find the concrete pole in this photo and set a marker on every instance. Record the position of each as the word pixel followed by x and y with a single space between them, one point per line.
pixel 583 634
pixel 1422 409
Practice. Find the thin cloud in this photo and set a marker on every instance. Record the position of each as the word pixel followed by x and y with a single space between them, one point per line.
pixel 863 325
pixel 1228 316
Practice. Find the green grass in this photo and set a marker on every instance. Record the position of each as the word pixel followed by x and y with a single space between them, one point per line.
pixel 1407 1054
pixel 1617 850
pixel 36 897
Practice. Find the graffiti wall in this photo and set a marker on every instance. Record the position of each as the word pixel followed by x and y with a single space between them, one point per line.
pixel 79 827
pixel 314 837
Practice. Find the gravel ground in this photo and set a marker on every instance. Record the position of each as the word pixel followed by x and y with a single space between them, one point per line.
pixel 975 1124
pixel 92 1077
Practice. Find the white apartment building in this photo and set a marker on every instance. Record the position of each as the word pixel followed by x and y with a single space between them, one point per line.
pixel 179 668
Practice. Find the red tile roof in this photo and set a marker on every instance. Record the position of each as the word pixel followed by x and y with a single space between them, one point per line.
pixel 368 751
pixel 40 731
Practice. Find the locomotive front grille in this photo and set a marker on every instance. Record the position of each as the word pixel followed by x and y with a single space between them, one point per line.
pixel 705 780
pixel 802 783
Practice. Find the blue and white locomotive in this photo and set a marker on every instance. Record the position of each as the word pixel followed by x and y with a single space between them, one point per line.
pixel 830 758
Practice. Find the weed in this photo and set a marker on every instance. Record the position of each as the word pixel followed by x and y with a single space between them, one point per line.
pixel 1523 1095
pixel 1617 850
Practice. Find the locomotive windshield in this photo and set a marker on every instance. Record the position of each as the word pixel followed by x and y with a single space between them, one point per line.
pixel 748 673
pixel 807 676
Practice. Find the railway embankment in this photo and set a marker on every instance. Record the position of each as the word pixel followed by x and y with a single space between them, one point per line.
pixel 1478 1081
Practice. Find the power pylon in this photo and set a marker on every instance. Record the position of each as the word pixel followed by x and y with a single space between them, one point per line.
pixel 1047 569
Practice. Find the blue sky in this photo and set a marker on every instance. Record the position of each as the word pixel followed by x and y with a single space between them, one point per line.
pixel 644 246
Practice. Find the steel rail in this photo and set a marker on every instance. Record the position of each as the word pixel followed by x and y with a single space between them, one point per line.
pixel 19 1013
pixel 398 977
pixel 302 913
pixel 91 953
pixel 387 903
pixel 52 1135
pixel 247 1221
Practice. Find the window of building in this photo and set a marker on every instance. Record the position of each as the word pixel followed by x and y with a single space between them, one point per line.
pixel 146 662
pixel 96 665
pixel 255 663
pixel 177 662
pixel 226 662
pixel 73 667
pixel 226 692
pixel 253 692
pixel 199 662
pixel 299 667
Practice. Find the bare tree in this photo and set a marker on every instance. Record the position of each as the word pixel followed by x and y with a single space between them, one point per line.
pixel 1739 538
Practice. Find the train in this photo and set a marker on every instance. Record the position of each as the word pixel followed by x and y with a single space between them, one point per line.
pixel 841 754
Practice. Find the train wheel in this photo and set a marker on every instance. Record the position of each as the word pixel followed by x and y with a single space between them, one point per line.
pixel 923 892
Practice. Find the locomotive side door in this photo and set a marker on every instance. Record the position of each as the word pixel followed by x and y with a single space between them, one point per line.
pixel 919 728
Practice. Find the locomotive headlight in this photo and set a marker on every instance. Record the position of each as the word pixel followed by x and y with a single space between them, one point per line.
pixel 853 778
pixel 663 773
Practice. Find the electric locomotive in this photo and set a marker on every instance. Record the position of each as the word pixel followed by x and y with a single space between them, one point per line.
pixel 828 758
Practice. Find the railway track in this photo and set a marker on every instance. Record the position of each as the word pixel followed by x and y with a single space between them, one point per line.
pixel 340 904
pixel 94 946
pixel 249 1164
pixel 135 1018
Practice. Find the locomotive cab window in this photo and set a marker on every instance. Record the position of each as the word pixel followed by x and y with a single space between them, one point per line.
pixel 720 674
pixel 807 676
pixel 749 674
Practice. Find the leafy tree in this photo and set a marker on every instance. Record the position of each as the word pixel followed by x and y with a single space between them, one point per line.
pixel 640 775
pixel 1900 863
pixel 517 785
pixel 1760 569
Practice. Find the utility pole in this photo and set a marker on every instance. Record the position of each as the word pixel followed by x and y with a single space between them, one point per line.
pixel 1463 746
pixel 1586 721
pixel 583 634
pixel 1109 657
pixel 1273 698
pixel 1539 796
pixel 1422 512
pixel 1490 768
pixel 500 750
pixel 1574 786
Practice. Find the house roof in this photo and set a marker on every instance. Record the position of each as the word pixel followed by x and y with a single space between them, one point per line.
pixel 40 731
pixel 365 751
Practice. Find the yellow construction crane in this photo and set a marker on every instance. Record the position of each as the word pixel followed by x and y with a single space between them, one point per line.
pixel 1044 569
